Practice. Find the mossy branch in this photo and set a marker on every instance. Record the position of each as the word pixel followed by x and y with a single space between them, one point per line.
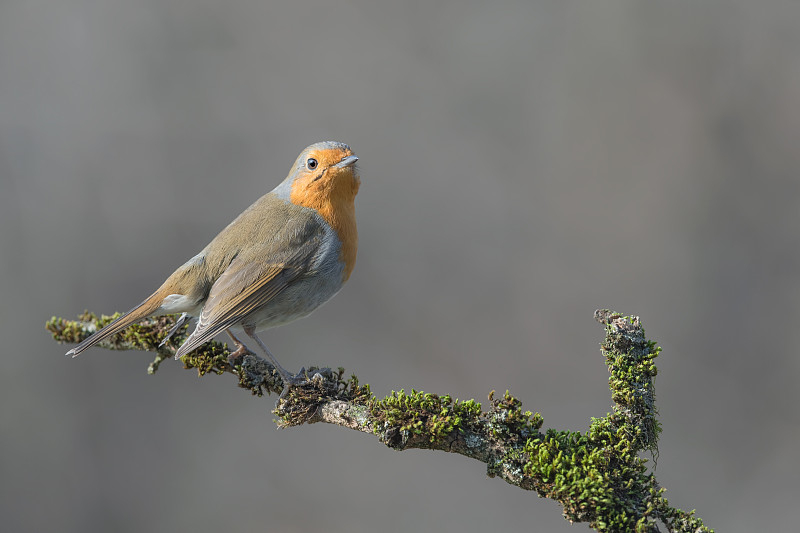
pixel 596 476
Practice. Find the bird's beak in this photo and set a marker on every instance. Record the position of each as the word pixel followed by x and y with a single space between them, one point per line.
pixel 346 162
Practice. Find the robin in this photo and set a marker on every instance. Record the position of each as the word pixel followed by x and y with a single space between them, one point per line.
pixel 283 257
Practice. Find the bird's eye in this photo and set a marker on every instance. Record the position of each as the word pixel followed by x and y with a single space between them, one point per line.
pixel 311 163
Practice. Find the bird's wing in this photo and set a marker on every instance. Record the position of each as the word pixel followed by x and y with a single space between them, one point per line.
pixel 250 282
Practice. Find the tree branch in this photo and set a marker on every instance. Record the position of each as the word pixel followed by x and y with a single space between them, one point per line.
pixel 596 476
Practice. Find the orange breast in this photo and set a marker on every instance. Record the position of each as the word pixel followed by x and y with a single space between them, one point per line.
pixel 337 207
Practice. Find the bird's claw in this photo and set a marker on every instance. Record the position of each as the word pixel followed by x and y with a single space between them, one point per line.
pixel 297 380
pixel 236 357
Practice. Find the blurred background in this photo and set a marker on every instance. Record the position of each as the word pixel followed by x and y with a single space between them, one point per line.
pixel 523 163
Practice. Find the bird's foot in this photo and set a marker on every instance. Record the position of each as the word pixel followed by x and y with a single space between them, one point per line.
pixel 236 357
pixel 297 380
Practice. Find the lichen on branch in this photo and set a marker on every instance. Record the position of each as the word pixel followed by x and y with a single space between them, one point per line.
pixel 597 476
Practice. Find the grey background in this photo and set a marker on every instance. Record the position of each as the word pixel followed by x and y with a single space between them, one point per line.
pixel 522 163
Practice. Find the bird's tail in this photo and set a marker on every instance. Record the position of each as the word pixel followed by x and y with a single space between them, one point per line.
pixel 144 309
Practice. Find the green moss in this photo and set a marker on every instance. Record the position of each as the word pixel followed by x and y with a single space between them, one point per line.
pixel 507 419
pixel 353 391
pixel 631 362
pixel 426 416
pixel 145 335
pixel 75 331
pixel 208 358
pixel 596 476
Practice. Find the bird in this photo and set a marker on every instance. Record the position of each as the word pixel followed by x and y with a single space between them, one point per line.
pixel 280 259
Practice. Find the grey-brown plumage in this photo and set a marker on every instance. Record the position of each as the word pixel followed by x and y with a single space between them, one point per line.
pixel 279 260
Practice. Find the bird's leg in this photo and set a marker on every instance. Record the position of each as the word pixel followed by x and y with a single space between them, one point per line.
pixel 289 380
pixel 235 357
pixel 180 322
